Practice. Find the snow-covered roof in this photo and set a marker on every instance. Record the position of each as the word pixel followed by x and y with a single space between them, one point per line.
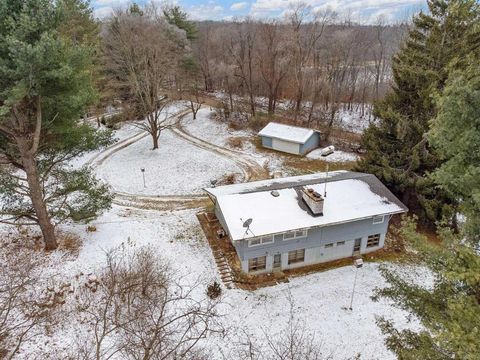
pixel 286 132
pixel 351 196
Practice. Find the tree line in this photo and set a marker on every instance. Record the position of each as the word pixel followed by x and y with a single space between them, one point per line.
pixel 312 59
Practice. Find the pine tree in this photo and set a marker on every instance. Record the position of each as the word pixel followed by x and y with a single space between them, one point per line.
pixel 450 310
pixel 175 16
pixel 455 135
pixel 45 86
pixel 398 151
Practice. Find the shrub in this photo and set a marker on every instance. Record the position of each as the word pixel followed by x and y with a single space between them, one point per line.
pixel 235 142
pixel 214 290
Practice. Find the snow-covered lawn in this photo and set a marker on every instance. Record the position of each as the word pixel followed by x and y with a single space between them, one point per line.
pixel 176 168
pixel 214 132
pixel 337 156
pixel 218 133
pixel 319 299
pixel 179 167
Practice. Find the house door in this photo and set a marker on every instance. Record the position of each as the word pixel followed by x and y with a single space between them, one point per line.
pixel 277 261
pixel 357 246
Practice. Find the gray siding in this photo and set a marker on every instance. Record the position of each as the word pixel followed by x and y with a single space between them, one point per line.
pixel 267 142
pixel 314 243
pixel 312 143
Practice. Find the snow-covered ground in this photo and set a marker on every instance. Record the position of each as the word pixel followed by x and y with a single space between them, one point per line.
pixel 218 133
pixel 178 167
pixel 175 168
pixel 214 132
pixel 319 300
pixel 352 121
pixel 337 156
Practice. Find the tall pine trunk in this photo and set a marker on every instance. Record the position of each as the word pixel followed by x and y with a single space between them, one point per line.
pixel 36 195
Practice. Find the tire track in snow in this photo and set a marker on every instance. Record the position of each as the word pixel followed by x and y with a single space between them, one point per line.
pixel 250 169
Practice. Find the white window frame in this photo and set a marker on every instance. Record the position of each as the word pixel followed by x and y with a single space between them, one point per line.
pixel 263 240
pixel 297 234
pixel 341 243
pixel 378 219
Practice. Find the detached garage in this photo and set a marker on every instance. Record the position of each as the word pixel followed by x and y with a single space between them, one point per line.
pixel 289 139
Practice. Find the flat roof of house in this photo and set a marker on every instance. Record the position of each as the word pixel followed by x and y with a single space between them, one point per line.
pixel 351 196
pixel 286 132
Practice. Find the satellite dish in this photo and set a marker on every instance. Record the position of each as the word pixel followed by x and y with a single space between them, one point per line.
pixel 247 223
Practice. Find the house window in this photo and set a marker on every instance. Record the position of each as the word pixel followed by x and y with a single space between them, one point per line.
pixel 340 243
pixel 267 239
pixel 297 234
pixel 257 264
pixel 296 256
pixel 378 219
pixel 254 242
pixel 329 245
pixel 373 240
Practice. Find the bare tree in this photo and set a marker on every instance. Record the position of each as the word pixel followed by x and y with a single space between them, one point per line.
pixel 141 311
pixel 306 29
pixel 272 60
pixel 144 53
pixel 241 47
pixel 24 309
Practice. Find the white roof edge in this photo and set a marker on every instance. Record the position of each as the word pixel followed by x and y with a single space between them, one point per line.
pixel 251 185
pixel 324 225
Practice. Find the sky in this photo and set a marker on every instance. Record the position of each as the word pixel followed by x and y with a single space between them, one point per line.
pixel 365 11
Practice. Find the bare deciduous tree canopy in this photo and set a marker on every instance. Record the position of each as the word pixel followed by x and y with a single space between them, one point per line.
pixel 144 54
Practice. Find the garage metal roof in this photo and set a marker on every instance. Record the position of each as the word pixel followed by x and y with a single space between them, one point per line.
pixel 290 133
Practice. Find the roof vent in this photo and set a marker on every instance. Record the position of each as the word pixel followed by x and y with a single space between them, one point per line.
pixel 313 200
pixel 275 193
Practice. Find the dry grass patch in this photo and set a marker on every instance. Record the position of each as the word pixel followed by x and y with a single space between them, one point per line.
pixel 69 242
pixel 236 142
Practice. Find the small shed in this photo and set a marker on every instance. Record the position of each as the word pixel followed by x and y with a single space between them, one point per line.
pixel 290 139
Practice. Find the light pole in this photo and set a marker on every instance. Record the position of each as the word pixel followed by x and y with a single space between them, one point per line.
pixel 143 174
pixel 358 263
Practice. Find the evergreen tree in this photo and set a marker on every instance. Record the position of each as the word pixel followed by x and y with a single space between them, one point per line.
pixel 450 310
pixel 45 86
pixel 397 148
pixel 455 134
pixel 175 16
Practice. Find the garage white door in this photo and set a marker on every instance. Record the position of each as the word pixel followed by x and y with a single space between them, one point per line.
pixel 285 146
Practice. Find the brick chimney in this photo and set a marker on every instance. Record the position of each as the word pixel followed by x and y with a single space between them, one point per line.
pixel 313 200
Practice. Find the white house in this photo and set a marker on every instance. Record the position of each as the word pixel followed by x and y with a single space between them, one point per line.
pixel 289 139
pixel 291 222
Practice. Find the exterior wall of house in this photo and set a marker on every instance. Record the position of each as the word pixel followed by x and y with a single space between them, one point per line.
pixel 316 244
pixel 312 143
